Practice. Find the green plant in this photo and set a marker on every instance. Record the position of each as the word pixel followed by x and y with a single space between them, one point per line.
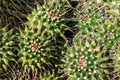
pixel 39 50
pixel 35 48
pixel 50 16
pixel 86 59
pixel 6 47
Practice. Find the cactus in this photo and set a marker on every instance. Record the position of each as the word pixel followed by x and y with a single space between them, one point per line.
pixel 6 47
pixel 86 59
pixel 48 16
pixel 35 48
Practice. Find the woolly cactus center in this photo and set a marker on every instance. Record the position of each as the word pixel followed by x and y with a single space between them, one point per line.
pixel 35 47
pixel 87 20
pixel 52 14
pixel 81 62
pixel 110 35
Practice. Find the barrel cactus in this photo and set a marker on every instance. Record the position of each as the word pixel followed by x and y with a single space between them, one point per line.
pixel 49 16
pixel 6 47
pixel 35 49
pixel 86 59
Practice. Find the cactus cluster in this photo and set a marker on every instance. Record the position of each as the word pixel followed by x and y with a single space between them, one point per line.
pixel 44 50
pixel 6 47
pixel 98 35
pixel 38 42
pixel 101 21
pixel 108 34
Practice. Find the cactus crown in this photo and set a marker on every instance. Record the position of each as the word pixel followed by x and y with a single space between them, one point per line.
pixel 35 48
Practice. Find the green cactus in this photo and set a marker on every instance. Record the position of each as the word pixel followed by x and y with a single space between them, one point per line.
pixel 35 48
pixel 86 59
pixel 6 47
pixel 48 16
